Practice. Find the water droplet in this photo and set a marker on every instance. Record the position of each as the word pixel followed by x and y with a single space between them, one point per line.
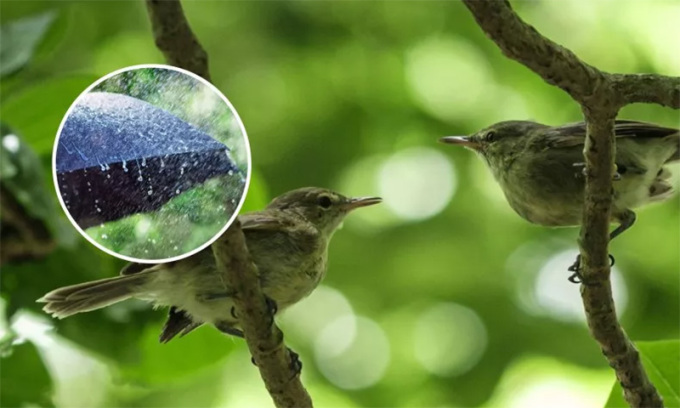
pixel 230 172
pixel 175 248
pixel 125 169
pixel 153 241
pixel 96 201
pixel 149 192
pixel 143 161
pixel 146 251
pixel 181 170
pixel 140 178
pixel 104 236
pixel 108 176
pixel 88 183
pixel 177 191
pixel 99 209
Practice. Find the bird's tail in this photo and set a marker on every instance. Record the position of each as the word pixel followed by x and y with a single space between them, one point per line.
pixel 84 297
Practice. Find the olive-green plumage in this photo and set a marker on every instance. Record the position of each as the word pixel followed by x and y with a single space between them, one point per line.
pixel 288 242
pixel 540 168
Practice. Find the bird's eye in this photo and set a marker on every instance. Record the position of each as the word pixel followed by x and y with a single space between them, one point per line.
pixel 325 201
pixel 490 137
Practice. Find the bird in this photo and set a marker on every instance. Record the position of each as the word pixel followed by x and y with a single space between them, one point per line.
pixel 288 242
pixel 540 168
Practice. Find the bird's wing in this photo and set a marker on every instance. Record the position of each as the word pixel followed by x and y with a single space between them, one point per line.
pixel 178 322
pixel 133 267
pixel 263 221
pixel 573 134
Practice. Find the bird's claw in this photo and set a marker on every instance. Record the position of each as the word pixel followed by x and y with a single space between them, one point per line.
pixel 576 276
pixel 272 307
pixel 295 363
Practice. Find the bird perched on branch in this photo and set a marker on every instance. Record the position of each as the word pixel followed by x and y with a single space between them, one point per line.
pixel 540 168
pixel 288 242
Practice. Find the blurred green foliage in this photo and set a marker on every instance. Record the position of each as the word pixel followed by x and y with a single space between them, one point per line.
pixel 331 93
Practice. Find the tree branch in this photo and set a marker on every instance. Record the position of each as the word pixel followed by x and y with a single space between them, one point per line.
pixel 264 339
pixel 600 96
pixel 174 37
pixel 521 42
pixel 647 88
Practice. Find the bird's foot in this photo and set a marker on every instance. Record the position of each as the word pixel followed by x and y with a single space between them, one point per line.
pixel 295 363
pixel 272 307
pixel 577 277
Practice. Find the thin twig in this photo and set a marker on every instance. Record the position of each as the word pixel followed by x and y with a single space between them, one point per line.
pixel 265 340
pixel 174 37
pixel 600 96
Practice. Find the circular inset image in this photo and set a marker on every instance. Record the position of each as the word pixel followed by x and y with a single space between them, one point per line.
pixel 151 163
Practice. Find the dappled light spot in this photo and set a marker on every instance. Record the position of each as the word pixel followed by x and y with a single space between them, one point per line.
pixel 11 143
pixel 71 368
pixel 360 178
pixel 449 339
pixel 433 71
pixel 305 319
pixel 417 183
pixel 538 382
pixel 352 352
pixel 560 299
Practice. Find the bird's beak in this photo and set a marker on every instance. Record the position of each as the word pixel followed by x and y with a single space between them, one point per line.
pixel 461 141
pixel 355 203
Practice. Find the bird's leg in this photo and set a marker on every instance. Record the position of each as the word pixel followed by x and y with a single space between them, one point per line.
pixel 229 329
pixel 627 219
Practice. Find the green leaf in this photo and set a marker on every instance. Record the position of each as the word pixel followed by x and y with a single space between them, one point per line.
pixel 661 360
pixel 37 111
pixel 24 378
pixel 20 39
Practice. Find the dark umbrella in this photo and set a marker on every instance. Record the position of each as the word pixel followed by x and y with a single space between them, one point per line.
pixel 119 155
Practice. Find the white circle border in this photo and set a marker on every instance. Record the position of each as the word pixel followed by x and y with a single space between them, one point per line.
pixel 243 195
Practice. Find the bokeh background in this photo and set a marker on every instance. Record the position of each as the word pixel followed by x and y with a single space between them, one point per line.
pixel 441 296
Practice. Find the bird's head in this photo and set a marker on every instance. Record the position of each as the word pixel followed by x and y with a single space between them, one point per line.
pixel 322 207
pixel 499 142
